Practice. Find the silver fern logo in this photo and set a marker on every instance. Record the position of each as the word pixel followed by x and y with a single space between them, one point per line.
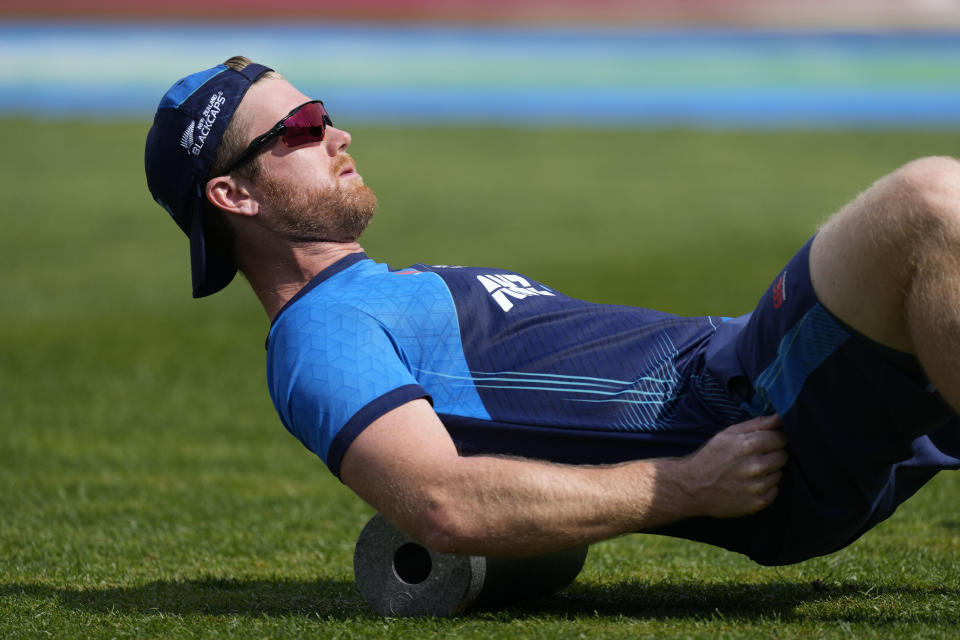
pixel 186 140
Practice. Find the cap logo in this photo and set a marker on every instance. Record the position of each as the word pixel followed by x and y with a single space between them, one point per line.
pixel 196 134
pixel 186 140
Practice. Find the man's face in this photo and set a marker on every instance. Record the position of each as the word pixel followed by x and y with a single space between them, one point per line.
pixel 308 193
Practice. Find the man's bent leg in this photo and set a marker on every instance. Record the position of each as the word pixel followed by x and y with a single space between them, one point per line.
pixel 865 430
pixel 888 265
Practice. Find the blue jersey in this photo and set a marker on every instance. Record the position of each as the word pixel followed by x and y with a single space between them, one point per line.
pixel 510 365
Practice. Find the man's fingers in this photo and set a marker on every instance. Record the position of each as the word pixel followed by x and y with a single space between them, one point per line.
pixel 764 491
pixel 760 423
pixel 764 441
pixel 770 480
pixel 740 467
pixel 767 463
pixel 768 422
pixel 768 496
pixel 776 459
pixel 759 496
pixel 760 471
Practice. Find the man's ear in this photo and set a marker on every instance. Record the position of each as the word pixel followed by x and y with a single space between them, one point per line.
pixel 231 195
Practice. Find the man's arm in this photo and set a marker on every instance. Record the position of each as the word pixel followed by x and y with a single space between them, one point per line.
pixel 406 466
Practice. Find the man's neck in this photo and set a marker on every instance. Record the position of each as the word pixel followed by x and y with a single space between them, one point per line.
pixel 278 280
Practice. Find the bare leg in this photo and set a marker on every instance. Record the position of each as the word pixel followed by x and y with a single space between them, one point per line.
pixel 889 265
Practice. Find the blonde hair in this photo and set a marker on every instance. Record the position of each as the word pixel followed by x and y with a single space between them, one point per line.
pixel 231 145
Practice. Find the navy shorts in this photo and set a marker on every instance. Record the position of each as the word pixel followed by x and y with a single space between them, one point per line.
pixel 865 428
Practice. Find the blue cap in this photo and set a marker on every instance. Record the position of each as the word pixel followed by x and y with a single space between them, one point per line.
pixel 181 146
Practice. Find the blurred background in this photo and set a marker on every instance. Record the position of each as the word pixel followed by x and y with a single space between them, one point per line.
pixel 568 62
pixel 662 153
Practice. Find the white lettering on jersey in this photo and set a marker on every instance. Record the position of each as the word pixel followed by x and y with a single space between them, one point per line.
pixel 503 286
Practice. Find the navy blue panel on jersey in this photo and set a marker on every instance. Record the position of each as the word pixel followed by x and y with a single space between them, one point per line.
pixel 540 358
pixel 505 360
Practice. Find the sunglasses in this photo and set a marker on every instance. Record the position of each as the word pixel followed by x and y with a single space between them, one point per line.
pixel 305 124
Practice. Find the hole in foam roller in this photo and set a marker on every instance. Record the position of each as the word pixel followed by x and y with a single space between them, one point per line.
pixel 412 563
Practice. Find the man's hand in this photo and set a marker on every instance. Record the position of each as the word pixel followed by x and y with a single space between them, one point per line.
pixel 736 472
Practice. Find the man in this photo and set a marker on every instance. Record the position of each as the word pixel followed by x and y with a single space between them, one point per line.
pixel 486 413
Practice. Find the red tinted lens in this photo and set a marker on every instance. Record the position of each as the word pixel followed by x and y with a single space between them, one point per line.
pixel 307 125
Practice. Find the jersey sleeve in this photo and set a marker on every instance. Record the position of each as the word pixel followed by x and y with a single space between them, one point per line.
pixel 332 371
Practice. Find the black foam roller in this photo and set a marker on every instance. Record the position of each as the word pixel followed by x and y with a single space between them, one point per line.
pixel 398 576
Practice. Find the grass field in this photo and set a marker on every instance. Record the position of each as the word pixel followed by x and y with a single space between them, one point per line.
pixel 148 490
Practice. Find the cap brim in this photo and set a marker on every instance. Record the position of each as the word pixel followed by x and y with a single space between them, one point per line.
pixel 211 264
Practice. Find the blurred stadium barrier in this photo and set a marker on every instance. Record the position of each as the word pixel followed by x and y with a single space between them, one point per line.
pixel 831 14
pixel 733 63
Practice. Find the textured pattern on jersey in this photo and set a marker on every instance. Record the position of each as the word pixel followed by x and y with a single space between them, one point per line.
pixel 323 352
pixel 358 336
pixel 718 398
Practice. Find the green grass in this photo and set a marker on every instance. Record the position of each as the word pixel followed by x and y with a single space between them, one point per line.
pixel 147 488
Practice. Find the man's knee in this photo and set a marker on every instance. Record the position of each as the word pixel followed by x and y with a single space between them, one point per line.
pixel 930 174
pixel 902 215
pixel 923 198
pixel 863 260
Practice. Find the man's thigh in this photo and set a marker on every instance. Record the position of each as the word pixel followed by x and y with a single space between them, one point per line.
pixel 864 257
pixel 856 415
